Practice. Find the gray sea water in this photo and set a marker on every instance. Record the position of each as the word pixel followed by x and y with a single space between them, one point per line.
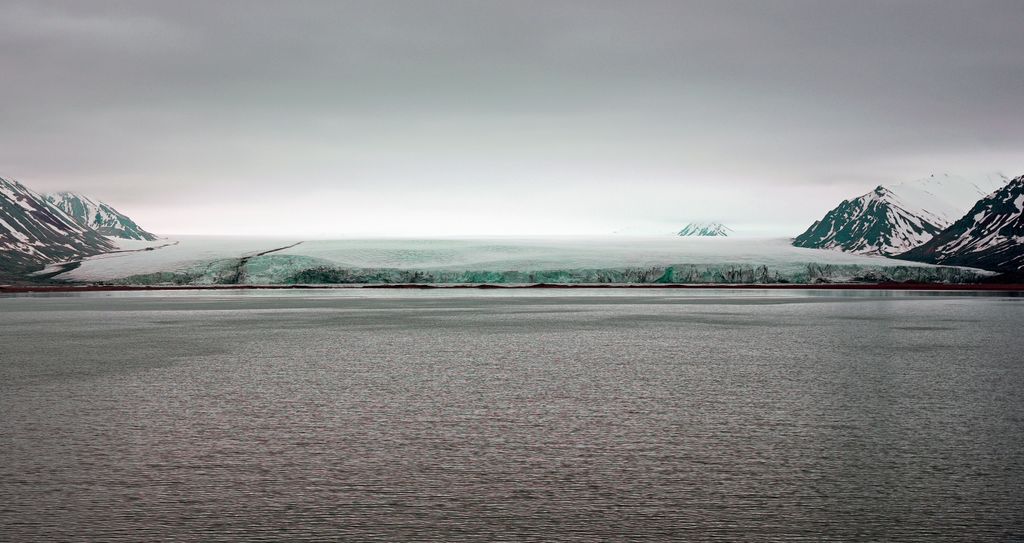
pixel 527 416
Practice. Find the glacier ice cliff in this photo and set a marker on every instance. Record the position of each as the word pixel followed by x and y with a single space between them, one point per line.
pixel 298 270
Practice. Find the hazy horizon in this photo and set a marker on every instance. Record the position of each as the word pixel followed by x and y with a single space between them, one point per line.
pixel 461 118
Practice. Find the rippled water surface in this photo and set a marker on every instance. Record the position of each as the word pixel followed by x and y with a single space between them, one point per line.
pixel 459 416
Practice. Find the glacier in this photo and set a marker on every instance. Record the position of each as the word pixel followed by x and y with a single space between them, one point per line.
pixel 201 260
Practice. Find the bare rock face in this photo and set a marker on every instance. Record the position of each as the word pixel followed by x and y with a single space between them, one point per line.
pixel 99 216
pixel 894 219
pixel 990 236
pixel 34 233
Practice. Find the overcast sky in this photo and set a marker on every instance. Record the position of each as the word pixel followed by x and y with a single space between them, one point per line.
pixel 519 117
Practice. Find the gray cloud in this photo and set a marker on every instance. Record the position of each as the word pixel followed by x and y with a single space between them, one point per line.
pixel 552 116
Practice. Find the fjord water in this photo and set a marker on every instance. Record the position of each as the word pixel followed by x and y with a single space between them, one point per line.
pixel 538 416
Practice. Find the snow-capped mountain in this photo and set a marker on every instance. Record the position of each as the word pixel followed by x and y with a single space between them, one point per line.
pixel 989 236
pixel 99 216
pixel 705 229
pixel 894 219
pixel 33 232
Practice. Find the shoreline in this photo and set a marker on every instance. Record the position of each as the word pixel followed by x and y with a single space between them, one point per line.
pixel 971 287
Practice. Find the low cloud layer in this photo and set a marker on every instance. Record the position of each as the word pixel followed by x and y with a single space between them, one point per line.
pixel 451 117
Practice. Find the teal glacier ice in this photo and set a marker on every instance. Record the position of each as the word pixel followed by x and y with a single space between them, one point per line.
pixel 281 261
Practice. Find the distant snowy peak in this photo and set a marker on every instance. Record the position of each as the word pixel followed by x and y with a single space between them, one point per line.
pixel 894 219
pixel 99 216
pixel 33 232
pixel 990 235
pixel 705 229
